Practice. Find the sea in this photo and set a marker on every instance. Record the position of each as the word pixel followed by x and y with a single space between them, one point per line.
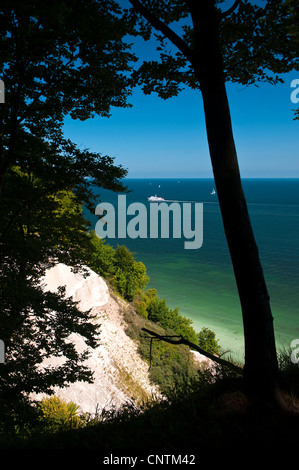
pixel 200 282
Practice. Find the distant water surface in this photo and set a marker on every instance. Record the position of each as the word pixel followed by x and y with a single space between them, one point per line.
pixel 201 282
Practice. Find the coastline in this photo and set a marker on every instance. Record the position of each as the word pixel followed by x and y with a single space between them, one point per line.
pixel 120 374
pixel 201 282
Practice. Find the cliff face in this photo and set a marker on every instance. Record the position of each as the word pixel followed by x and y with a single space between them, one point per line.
pixel 120 374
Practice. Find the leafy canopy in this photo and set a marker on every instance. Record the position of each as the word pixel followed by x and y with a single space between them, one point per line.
pixel 57 59
pixel 259 42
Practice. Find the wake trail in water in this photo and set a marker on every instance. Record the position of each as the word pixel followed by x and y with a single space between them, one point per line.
pixel 175 200
pixel 204 202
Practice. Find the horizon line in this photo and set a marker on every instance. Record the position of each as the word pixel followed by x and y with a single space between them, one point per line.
pixel 210 177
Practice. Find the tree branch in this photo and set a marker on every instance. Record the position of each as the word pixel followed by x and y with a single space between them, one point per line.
pixel 53 76
pixel 182 340
pixel 163 28
pixel 25 203
pixel 231 9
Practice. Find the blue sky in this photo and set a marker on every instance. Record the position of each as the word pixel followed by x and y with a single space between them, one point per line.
pixel 158 138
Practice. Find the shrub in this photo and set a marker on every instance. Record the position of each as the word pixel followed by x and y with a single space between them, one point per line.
pixel 157 311
pixel 207 340
pixel 126 275
pixel 57 414
pixel 130 275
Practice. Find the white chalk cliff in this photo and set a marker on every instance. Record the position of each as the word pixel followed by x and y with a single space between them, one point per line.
pixel 119 372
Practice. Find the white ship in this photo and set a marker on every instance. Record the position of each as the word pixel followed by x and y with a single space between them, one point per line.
pixel 155 198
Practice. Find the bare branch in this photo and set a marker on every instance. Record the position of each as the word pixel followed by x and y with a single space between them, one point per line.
pixel 231 9
pixel 163 28
pixel 182 340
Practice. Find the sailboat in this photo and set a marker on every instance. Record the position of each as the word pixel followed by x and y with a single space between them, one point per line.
pixel 213 191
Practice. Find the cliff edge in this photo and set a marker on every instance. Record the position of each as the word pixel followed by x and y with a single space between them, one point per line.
pixel 120 375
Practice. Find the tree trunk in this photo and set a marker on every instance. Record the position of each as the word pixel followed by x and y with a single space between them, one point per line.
pixel 261 368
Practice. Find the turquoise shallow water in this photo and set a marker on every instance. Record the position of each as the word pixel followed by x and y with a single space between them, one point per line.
pixel 201 282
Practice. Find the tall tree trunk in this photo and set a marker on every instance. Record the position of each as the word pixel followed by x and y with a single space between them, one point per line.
pixel 261 368
pixel 260 371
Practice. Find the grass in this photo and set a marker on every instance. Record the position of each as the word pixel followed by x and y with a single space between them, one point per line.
pixel 202 412
pixel 217 416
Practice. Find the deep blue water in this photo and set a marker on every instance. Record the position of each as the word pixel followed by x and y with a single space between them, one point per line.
pixel 201 282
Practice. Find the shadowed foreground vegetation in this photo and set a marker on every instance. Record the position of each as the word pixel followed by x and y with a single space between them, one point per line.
pixel 201 410
pixel 208 414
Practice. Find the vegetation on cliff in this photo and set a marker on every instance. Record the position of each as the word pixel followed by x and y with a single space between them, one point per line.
pixel 72 59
